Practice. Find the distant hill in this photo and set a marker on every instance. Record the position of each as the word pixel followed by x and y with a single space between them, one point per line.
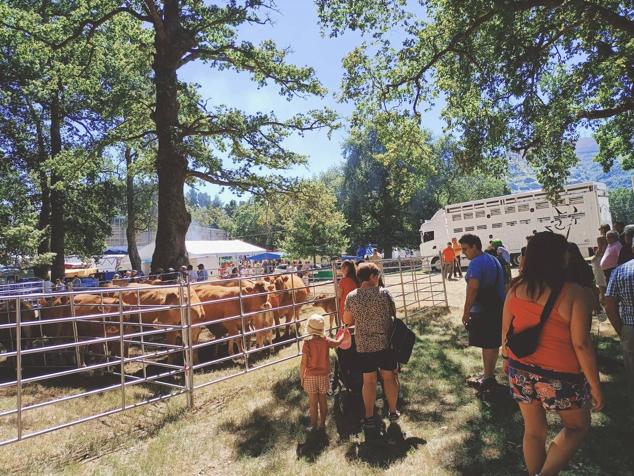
pixel 586 170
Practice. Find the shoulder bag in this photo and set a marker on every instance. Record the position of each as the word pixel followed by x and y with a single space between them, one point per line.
pixel 525 343
pixel 402 338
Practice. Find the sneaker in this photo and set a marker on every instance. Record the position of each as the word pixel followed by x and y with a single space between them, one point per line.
pixel 475 381
pixel 394 416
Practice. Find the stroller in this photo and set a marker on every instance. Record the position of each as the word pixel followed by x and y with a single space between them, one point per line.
pixel 346 386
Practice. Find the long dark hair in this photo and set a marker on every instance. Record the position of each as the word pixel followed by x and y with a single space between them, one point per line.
pixel 352 271
pixel 544 263
pixel 578 271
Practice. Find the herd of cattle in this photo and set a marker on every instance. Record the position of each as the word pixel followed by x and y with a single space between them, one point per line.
pixel 223 307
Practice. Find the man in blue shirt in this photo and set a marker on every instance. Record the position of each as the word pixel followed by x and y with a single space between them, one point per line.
pixel 619 306
pixel 482 315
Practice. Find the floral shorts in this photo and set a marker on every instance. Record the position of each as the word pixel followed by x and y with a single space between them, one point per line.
pixel 555 390
pixel 316 384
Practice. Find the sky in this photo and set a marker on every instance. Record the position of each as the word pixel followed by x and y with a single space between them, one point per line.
pixel 295 26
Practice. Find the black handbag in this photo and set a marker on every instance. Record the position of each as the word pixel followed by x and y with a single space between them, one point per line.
pixel 402 338
pixel 402 341
pixel 525 343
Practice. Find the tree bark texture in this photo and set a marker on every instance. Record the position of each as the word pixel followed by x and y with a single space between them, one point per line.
pixel 171 41
pixel 131 228
pixel 44 218
pixel 57 198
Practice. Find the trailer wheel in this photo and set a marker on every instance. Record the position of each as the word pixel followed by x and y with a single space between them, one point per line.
pixel 515 259
pixel 435 264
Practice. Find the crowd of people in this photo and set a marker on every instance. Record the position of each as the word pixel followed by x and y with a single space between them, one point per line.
pixel 539 323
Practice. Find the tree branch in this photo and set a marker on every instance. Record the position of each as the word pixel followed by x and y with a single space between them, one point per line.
pixel 608 112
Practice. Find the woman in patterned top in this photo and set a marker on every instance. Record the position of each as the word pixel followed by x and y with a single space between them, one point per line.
pixel 370 309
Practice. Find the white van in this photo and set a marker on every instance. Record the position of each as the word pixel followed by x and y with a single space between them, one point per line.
pixel 581 209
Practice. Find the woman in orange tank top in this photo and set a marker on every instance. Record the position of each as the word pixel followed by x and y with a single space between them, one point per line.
pixel 348 283
pixel 561 374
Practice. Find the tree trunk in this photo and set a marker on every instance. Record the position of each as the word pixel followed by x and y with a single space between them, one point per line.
pixel 44 218
pixel 57 194
pixel 131 228
pixel 171 162
pixel 43 223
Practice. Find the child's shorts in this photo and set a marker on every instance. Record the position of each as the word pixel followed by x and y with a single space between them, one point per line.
pixel 316 384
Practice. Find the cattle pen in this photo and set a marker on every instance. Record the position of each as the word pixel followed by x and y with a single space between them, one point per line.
pixel 72 357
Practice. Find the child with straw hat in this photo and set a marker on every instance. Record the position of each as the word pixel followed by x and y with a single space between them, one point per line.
pixel 315 368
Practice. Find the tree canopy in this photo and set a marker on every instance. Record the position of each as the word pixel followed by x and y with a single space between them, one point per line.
pixel 516 75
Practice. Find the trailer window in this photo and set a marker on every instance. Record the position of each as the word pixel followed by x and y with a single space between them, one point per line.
pixel 480 214
pixel 428 236
pixel 525 222
pixel 496 225
pixel 541 205
pixel 468 228
pixel 456 217
pixel 523 207
pixel 511 223
pixel 468 215
pixel 482 227
pixel 510 209
pixel 543 219
pixel 575 200
pixel 457 230
pixel 495 211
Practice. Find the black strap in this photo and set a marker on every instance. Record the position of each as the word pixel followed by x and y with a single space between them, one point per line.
pixel 554 294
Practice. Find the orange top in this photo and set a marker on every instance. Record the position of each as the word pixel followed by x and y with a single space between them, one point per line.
pixel 457 249
pixel 448 255
pixel 555 350
pixel 316 356
pixel 347 285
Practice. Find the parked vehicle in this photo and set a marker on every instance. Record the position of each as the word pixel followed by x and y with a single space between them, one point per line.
pixel 581 209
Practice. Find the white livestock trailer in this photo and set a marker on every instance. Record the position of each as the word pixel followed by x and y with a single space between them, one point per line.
pixel 581 209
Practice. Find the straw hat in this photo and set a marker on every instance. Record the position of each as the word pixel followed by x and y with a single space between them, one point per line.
pixel 315 325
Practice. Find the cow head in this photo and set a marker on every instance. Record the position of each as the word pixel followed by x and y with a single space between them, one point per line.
pixel 259 290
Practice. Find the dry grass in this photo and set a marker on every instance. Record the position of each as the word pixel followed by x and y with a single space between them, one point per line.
pixel 255 424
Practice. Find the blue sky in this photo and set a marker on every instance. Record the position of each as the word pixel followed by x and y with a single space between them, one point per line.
pixel 294 26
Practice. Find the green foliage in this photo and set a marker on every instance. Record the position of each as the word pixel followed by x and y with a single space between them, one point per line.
pixel 519 76
pixel 622 205
pixel 315 227
pixel 384 202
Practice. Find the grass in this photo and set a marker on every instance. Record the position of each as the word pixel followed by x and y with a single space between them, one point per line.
pixel 255 424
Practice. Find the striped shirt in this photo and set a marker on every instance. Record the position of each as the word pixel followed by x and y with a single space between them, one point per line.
pixel 621 287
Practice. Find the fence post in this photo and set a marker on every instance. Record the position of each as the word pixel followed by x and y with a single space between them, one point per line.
pixel 189 353
pixel 121 352
pixel 141 331
pixel 415 281
pixel 400 271
pixel 75 333
pixel 244 339
pixel 444 287
pixel 18 365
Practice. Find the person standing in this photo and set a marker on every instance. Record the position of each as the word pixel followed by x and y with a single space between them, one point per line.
pixel 370 308
pixel 192 275
pixel 347 284
pixel 610 258
pixel 561 374
pixel 376 259
pixel 619 306
pixel 482 314
pixel 457 249
pixel 626 254
pixel 448 261
pixel 314 369
pixel 599 275
pixel 203 274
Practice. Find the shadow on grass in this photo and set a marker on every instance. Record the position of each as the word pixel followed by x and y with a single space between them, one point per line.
pixel 479 434
pixel 383 448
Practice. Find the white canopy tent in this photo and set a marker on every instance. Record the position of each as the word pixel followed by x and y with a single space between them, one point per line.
pixel 209 252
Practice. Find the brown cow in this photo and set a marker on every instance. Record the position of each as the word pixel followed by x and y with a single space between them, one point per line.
pixel 84 305
pixel 147 296
pixel 252 300
pixel 329 305
pixel 263 320
pixel 292 292
pixel 8 337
